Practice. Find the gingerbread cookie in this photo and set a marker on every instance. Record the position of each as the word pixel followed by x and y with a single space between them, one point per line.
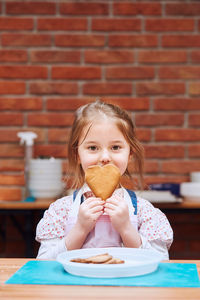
pixel 102 180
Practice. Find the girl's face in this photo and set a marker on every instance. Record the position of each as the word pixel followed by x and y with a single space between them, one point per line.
pixel 101 143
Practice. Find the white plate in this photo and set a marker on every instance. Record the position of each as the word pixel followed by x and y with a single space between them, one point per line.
pixel 137 262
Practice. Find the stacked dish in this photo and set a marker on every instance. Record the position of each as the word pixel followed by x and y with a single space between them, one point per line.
pixel 191 190
pixel 45 178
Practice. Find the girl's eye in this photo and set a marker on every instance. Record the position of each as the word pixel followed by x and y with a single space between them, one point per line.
pixel 92 148
pixel 116 147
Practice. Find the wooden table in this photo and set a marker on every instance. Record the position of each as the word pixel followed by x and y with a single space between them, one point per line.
pixel 44 204
pixel 11 291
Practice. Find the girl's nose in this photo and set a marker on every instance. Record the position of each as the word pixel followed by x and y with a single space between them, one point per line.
pixel 105 157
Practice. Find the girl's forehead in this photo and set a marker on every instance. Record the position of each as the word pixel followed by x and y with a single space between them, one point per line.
pixel 100 123
pixel 100 128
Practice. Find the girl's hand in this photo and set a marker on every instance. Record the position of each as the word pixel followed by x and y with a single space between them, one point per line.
pixel 90 210
pixel 117 208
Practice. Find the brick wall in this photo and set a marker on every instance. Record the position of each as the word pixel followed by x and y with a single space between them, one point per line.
pixel 142 55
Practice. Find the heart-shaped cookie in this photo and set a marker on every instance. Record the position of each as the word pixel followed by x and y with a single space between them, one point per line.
pixel 102 180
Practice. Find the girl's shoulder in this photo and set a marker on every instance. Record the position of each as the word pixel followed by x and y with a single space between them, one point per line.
pixel 143 203
pixel 65 201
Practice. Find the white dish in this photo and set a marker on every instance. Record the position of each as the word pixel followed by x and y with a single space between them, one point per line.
pixel 137 262
pixel 190 189
pixel 157 196
pixel 195 176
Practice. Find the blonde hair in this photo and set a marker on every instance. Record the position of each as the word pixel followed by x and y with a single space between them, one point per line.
pixel 89 112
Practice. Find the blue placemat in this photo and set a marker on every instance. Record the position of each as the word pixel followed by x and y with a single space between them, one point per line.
pixel 52 272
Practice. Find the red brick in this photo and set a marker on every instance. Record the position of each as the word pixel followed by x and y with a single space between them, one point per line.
pixel 31 7
pixel 194 119
pixel 144 135
pixel 50 119
pixel 13 23
pixel 158 88
pixel 107 89
pixel 124 40
pixel 181 41
pixel 129 103
pixel 108 56
pixel 162 25
pixel 13 56
pixel 112 24
pixel 80 72
pixel 54 56
pixel 129 72
pixel 25 72
pixel 53 88
pixel 20 103
pixel 128 8
pixel 55 150
pixel 11 119
pixel 74 103
pixel 12 87
pixel 151 166
pixel 183 9
pixel 165 179
pixel 58 135
pixel 11 179
pixel 186 72
pixel 10 194
pixel 150 119
pixel 164 151
pixel 17 39
pixel 11 165
pixel 11 150
pixel 194 88
pixel 182 167
pixel 162 56
pixel 81 8
pixel 60 104
pixel 180 104
pixel 10 135
pixel 195 56
pixel 79 40
pixel 194 151
pixel 177 135
pixel 62 24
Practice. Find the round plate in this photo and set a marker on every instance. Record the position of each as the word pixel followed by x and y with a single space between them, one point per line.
pixel 137 262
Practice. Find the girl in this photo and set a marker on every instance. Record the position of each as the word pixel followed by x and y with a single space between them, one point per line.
pixel 102 133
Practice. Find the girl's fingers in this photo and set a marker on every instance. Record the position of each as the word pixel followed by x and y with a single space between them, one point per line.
pixel 114 200
pixel 91 202
pixel 110 206
pixel 98 208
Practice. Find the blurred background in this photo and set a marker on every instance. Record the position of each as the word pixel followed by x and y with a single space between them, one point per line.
pixel 57 55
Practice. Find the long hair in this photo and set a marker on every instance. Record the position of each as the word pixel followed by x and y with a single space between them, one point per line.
pixel 89 113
